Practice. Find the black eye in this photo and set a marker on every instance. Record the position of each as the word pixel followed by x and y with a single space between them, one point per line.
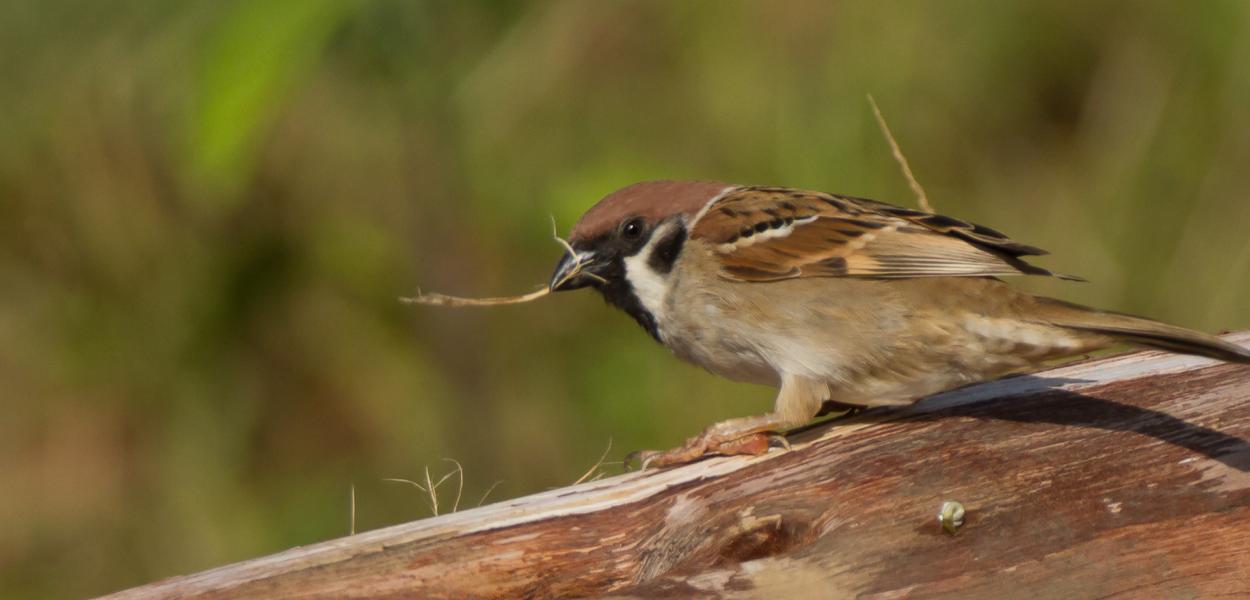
pixel 632 229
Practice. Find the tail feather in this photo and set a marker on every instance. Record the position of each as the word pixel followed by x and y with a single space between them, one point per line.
pixel 1142 331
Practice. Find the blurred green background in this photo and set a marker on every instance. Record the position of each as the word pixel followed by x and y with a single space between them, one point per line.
pixel 208 209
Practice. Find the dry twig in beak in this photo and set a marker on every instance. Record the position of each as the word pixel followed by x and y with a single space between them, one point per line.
pixel 445 300
pixel 434 299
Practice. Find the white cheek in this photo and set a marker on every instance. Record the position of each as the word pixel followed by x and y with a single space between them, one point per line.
pixel 650 287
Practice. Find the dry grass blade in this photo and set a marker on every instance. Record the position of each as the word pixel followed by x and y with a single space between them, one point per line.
pixel 458 301
pixel 459 488
pixel 430 487
pixel 433 489
pixel 490 489
pixel 595 467
pixel 352 527
pixel 432 494
pixel 602 474
pixel 445 300
pixel 916 188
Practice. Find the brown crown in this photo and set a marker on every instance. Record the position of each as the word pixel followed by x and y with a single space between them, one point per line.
pixel 651 200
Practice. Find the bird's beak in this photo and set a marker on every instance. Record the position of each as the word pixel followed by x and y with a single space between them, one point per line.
pixel 575 271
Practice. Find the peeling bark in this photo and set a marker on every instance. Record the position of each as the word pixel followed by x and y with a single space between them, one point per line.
pixel 1125 476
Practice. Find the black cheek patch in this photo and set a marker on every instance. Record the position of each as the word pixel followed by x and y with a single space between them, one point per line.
pixel 618 293
pixel 667 250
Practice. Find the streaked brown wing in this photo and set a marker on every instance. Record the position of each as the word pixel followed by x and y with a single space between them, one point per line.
pixel 768 234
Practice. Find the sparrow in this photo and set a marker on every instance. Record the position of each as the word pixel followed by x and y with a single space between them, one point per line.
pixel 830 299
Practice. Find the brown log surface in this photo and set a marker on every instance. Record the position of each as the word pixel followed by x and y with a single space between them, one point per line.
pixel 1120 477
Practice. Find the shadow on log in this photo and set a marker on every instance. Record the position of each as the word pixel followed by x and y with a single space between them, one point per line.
pixel 1126 476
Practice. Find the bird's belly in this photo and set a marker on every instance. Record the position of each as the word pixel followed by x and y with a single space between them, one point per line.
pixel 870 348
pixel 971 350
pixel 896 391
pixel 895 369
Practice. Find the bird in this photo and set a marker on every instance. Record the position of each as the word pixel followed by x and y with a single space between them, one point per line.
pixel 831 299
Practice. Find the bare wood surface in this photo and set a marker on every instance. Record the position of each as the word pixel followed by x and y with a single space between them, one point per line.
pixel 1122 477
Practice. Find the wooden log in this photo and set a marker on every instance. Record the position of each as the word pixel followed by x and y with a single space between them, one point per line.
pixel 1126 476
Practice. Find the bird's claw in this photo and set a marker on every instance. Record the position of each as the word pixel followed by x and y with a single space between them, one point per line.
pixel 695 448
pixel 780 440
pixel 641 457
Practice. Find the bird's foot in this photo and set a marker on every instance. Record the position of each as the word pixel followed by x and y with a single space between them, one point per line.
pixel 707 444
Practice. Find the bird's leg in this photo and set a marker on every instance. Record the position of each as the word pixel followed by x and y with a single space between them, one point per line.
pixel 796 404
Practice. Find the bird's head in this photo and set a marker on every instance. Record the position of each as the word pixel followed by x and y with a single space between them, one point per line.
pixel 627 243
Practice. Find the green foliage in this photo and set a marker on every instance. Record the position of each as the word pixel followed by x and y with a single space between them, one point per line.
pixel 208 210
pixel 254 56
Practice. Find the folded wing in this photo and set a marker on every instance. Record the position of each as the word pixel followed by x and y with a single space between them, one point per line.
pixel 770 234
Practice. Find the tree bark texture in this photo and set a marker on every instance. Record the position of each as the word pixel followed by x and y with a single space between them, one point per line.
pixel 1120 477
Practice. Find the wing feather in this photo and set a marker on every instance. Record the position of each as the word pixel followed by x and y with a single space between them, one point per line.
pixel 769 234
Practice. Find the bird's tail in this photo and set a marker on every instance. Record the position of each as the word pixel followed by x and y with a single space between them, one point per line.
pixel 1140 330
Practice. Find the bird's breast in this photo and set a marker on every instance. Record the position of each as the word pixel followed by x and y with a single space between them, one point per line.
pixel 718 343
